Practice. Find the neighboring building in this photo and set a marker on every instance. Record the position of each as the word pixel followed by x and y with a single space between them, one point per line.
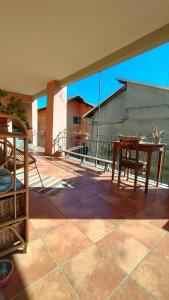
pixel 41 126
pixel 76 108
pixel 42 119
pixel 131 110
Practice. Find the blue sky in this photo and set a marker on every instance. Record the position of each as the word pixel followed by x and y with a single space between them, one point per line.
pixel 150 67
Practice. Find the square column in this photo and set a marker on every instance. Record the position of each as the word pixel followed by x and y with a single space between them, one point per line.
pixel 56 114
pixel 34 122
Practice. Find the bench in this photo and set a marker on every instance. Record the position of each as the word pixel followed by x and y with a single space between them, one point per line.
pixel 83 158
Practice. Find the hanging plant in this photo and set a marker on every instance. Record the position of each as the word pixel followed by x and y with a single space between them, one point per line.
pixel 13 106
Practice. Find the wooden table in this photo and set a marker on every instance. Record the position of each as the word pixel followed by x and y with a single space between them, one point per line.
pixel 148 148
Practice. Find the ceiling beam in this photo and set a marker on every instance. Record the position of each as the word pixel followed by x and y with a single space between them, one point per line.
pixel 148 42
pixel 40 94
pixel 141 45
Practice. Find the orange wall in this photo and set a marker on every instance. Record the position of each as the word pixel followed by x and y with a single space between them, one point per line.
pixel 74 108
pixel 42 120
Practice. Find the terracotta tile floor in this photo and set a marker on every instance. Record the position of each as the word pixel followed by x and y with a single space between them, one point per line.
pixel 93 241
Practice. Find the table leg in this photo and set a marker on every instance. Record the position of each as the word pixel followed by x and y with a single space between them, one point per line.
pixel 113 160
pixel 149 154
pixel 160 159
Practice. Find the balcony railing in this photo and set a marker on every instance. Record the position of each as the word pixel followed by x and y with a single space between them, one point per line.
pixel 100 148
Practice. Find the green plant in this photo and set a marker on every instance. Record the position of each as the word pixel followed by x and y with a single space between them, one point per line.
pixel 156 133
pixel 13 106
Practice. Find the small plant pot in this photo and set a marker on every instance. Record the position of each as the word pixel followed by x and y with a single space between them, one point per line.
pixel 157 141
pixel 85 138
pixel 60 154
pixel 6 270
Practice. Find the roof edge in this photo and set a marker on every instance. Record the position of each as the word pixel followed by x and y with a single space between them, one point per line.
pixel 126 81
pixel 118 92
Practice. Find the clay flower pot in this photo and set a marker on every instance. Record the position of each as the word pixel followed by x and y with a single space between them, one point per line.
pixel 6 270
pixel 60 154
pixel 157 140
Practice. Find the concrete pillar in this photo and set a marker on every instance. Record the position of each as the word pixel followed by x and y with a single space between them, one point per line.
pixel 34 122
pixel 56 114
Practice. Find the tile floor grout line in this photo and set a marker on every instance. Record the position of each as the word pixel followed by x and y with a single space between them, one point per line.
pixel 83 250
pixel 101 237
pixel 60 268
pixel 34 283
pixel 42 277
pixel 130 274
pixel 151 225
pixel 70 284
pixel 144 289
pixel 69 223
pixel 76 255
pixel 79 253
pixel 94 243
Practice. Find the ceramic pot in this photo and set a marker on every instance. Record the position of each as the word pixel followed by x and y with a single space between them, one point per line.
pixel 157 140
pixel 60 154
pixel 6 270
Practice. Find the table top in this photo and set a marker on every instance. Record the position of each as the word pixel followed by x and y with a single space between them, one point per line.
pixel 146 146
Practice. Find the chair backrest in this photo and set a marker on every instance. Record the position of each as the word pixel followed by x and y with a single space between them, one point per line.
pixel 129 148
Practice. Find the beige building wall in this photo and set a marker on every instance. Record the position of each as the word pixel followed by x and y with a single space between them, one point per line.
pixel 134 111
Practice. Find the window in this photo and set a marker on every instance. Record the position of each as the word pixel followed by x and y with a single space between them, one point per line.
pixel 76 120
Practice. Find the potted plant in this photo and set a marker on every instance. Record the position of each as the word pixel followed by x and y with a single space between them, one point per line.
pixel 82 135
pixel 13 106
pixel 60 152
pixel 156 133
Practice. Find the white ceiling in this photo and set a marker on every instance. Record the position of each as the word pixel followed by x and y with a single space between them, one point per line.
pixel 42 40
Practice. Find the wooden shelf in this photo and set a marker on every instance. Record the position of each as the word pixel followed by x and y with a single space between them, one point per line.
pixel 14 201
pixel 13 221
pixel 10 193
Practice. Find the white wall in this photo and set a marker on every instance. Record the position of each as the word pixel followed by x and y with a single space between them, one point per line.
pixel 138 106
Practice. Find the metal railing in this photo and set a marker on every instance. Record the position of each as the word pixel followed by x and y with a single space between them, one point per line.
pixel 101 148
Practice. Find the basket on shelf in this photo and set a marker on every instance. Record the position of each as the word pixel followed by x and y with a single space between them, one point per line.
pixel 12 237
pixel 7 210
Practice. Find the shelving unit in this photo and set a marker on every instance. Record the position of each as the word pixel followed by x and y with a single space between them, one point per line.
pixel 14 212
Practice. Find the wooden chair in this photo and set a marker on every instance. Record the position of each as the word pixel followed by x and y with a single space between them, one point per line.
pixel 129 158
